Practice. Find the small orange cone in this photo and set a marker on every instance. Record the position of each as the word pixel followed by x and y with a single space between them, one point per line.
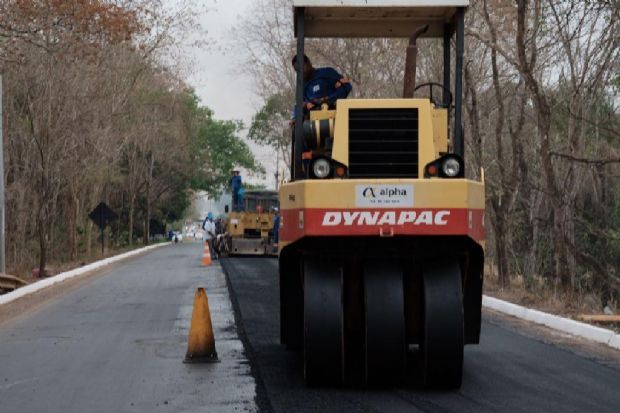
pixel 206 255
pixel 200 342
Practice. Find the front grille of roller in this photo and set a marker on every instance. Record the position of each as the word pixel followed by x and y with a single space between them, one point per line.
pixel 383 143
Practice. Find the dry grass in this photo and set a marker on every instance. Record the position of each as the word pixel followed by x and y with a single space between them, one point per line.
pixel 544 296
pixel 59 267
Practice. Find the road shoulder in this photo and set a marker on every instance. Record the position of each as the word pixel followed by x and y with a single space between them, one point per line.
pixel 30 303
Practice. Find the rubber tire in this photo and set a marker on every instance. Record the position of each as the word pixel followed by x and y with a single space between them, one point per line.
pixel 323 322
pixel 385 335
pixel 443 332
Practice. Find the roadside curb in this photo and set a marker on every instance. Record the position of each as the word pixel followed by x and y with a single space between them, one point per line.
pixel 566 325
pixel 48 282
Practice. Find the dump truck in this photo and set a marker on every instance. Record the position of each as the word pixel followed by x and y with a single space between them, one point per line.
pixel 381 234
pixel 250 231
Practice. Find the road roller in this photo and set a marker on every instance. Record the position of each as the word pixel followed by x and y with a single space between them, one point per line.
pixel 382 232
pixel 250 231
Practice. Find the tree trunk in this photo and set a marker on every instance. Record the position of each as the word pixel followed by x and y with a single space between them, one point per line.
pixel 543 124
pixel 42 243
pixel 147 219
pixel 72 227
pixel 89 238
pixel 132 203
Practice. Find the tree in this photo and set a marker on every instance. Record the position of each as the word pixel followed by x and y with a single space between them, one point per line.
pixel 95 110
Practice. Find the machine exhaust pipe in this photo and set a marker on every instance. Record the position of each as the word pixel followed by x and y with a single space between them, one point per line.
pixel 410 63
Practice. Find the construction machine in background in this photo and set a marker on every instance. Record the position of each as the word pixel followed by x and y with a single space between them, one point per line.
pixel 250 231
pixel 382 235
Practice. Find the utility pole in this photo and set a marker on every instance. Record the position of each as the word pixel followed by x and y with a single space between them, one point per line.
pixel 2 249
pixel 277 174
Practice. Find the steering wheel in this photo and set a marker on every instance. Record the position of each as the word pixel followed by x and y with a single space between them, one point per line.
pixel 439 103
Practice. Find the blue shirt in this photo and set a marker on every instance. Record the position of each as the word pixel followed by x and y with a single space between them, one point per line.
pixel 322 84
pixel 235 182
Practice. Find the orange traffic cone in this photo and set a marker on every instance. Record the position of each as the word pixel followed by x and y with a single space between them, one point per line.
pixel 206 255
pixel 200 342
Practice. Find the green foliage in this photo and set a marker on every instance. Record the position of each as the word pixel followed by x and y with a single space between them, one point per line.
pixel 268 122
pixel 254 187
pixel 216 149
pixel 175 206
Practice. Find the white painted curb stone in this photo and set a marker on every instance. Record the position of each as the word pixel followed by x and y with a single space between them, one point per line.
pixel 566 325
pixel 47 282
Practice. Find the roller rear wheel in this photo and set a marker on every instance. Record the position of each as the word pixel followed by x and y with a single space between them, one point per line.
pixel 443 332
pixel 323 323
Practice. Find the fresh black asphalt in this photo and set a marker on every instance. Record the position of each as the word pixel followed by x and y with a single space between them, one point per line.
pixel 510 371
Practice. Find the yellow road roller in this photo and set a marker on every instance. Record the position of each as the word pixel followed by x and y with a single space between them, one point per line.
pixel 250 232
pixel 381 234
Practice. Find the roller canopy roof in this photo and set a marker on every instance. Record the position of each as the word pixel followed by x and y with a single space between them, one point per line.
pixel 376 18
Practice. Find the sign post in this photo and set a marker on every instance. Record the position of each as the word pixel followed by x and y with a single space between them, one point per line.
pixel 101 216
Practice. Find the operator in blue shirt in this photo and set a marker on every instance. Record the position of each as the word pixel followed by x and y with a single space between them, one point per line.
pixel 322 85
pixel 236 186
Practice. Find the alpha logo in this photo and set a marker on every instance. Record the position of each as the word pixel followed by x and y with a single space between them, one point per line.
pixel 369 192
pixel 379 218
pixel 384 195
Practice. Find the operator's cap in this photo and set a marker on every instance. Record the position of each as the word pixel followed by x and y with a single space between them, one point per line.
pixel 294 59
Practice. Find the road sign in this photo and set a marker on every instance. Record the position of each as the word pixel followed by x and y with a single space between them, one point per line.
pixel 101 216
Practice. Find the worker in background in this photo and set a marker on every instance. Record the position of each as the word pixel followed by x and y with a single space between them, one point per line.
pixel 236 187
pixel 220 236
pixel 322 85
pixel 209 226
pixel 276 228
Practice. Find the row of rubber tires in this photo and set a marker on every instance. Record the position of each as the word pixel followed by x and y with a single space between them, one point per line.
pixel 385 347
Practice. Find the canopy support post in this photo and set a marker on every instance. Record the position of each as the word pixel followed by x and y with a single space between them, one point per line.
pixel 297 172
pixel 459 147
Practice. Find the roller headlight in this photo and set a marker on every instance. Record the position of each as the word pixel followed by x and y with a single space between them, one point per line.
pixel 321 168
pixel 451 167
pixel 448 166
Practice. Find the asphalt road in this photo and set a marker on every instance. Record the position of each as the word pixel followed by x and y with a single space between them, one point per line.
pixel 510 371
pixel 116 344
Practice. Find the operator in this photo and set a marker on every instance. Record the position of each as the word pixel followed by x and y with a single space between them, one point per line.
pixel 322 85
pixel 209 226
pixel 236 186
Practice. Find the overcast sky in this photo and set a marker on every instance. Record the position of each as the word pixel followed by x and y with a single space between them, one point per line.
pixel 217 74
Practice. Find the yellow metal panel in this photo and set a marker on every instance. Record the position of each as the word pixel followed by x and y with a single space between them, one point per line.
pixel 324 113
pixel 440 129
pixel 340 148
pixel 427 151
pixel 427 193
pixel 238 222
